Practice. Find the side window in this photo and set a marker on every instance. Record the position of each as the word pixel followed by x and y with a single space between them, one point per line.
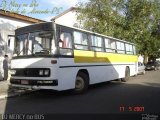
pixel 96 43
pixel 109 45
pixel 66 39
pixel 22 44
pixel 134 50
pixel 129 49
pixel 80 40
pixel 120 47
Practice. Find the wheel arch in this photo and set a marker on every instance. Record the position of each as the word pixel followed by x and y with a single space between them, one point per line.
pixel 81 85
pixel 126 72
pixel 127 67
pixel 85 71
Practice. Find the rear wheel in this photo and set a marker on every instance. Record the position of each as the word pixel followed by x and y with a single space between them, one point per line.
pixel 127 75
pixel 81 83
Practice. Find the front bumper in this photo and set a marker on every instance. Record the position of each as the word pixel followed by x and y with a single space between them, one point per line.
pixel 34 82
pixel 150 68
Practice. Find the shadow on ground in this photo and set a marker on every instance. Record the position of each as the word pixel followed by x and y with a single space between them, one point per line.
pixel 101 98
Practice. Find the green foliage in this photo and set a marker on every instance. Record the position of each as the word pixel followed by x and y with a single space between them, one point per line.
pixel 132 20
pixel 98 16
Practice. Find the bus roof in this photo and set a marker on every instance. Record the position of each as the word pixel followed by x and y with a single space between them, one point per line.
pixel 97 34
pixel 50 26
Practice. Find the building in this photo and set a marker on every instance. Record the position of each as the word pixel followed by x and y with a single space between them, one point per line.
pixel 8 23
pixel 68 18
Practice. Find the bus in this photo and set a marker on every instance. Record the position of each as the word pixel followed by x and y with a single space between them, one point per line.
pixel 54 56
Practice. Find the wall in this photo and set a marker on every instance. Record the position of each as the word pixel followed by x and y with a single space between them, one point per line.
pixel 68 19
pixel 15 22
pixel 7 28
pixel 1 70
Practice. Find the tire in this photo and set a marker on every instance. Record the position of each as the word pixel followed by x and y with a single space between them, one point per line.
pixel 81 83
pixel 127 75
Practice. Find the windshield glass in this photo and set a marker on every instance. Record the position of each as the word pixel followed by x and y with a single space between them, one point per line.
pixel 34 43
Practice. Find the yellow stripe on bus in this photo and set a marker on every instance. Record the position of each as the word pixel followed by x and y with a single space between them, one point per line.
pixel 91 56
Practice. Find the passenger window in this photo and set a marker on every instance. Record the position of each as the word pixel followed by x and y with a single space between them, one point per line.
pixel 120 47
pixel 109 45
pixel 134 50
pixel 66 39
pixel 129 49
pixel 96 43
pixel 80 40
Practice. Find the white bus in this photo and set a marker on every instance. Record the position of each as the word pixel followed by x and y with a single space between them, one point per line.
pixel 53 56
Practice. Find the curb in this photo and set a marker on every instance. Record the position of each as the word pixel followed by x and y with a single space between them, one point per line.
pixel 5 96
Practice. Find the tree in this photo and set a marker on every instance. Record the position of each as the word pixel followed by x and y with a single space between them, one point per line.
pixel 132 20
pixel 141 19
pixel 98 16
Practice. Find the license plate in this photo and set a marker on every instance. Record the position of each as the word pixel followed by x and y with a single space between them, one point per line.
pixel 25 82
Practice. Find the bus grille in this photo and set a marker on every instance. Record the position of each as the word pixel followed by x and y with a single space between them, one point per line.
pixel 32 72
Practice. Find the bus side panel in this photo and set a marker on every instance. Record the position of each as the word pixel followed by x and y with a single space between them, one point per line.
pixel 66 73
pixel 133 69
pixel 66 78
pixel 98 72
pixel 106 73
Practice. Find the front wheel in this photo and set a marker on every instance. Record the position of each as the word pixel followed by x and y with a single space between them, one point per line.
pixel 81 83
pixel 127 75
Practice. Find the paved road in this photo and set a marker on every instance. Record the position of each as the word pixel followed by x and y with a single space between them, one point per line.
pixel 139 95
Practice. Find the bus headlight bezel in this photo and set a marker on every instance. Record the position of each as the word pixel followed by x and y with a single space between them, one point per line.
pixel 13 72
pixel 41 73
pixel 44 72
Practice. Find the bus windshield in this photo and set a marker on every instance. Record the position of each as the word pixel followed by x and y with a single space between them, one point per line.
pixel 34 43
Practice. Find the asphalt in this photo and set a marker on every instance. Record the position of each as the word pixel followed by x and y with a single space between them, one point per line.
pixel 140 95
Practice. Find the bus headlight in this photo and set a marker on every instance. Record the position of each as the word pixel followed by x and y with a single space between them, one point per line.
pixel 46 72
pixel 40 72
pixel 13 72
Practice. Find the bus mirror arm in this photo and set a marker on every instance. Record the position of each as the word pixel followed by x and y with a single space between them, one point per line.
pixel 60 43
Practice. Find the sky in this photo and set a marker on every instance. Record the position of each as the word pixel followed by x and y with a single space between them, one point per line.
pixel 41 9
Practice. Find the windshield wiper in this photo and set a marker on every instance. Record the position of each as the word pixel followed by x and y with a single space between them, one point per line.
pixel 27 51
pixel 44 51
